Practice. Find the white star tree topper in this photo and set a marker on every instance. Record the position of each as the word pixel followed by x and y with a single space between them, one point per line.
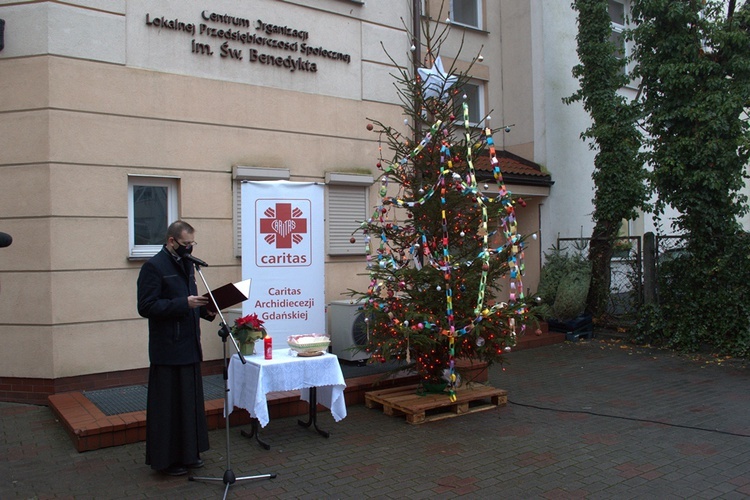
pixel 436 81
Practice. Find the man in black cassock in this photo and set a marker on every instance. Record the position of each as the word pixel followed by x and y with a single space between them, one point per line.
pixel 176 430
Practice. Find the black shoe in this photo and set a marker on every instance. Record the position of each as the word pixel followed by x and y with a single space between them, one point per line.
pixel 195 465
pixel 175 470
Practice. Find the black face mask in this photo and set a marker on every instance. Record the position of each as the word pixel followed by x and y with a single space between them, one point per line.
pixel 183 250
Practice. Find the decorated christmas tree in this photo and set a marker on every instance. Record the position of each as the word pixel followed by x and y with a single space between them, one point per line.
pixel 440 247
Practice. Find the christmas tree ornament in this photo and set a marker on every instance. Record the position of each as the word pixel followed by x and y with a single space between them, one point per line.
pixel 436 81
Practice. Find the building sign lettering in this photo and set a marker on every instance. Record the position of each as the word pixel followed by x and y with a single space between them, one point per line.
pixel 256 42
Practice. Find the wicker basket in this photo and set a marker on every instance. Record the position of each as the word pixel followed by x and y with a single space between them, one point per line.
pixel 309 345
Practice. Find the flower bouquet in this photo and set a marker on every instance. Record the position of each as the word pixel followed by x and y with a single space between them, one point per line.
pixel 246 331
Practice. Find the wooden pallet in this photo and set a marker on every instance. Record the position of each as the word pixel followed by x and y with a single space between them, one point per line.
pixel 430 407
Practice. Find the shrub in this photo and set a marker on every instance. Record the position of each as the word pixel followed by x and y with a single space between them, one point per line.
pixel 701 306
pixel 564 283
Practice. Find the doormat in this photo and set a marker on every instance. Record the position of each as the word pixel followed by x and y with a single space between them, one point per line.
pixel 132 398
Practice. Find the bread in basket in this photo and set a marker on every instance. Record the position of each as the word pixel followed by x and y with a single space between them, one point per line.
pixel 311 344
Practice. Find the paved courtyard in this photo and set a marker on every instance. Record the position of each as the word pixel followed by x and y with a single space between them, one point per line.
pixel 592 419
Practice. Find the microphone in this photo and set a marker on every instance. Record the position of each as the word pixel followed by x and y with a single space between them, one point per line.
pixel 5 240
pixel 195 260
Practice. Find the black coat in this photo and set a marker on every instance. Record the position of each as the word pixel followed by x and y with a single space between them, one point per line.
pixel 174 334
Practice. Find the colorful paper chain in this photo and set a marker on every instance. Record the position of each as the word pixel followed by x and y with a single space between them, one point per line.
pixel 509 226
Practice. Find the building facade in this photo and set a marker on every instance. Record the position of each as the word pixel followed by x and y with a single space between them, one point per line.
pixel 119 116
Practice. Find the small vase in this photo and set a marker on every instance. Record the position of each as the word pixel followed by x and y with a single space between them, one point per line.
pixel 248 348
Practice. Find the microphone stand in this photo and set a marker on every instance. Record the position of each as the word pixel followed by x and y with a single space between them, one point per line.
pixel 229 478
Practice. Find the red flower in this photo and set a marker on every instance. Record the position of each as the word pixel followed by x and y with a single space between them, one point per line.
pixel 249 321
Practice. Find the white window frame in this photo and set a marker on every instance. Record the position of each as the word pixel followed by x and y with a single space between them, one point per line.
pixel 477 4
pixel 619 29
pixel 474 121
pixel 172 185
pixel 242 173
pixel 347 206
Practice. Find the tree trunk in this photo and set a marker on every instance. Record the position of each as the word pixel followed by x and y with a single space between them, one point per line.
pixel 600 256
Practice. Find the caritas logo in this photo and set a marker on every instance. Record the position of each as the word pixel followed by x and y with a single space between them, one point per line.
pixel 284 239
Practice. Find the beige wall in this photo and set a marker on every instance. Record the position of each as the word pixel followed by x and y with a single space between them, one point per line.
pixel 78 118
pixel 70 227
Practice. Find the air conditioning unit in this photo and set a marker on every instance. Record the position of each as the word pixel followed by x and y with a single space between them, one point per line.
pixel 348 330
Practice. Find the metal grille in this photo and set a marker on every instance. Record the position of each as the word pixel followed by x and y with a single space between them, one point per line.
pixel 626 275
pixel 119 400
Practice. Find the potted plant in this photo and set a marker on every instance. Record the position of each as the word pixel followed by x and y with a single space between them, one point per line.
pixel 621 248
pixel 246 331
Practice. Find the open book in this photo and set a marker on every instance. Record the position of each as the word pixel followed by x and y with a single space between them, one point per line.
pixel 229 295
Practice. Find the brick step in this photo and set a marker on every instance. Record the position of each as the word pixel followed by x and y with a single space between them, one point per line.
pixel 90 429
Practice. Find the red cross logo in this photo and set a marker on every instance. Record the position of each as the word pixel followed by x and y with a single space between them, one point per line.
pixel 283 225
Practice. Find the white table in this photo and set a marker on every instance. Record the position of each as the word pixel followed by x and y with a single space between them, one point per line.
pixel 318 378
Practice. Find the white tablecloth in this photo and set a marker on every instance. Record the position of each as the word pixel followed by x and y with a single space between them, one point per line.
pixel 249 383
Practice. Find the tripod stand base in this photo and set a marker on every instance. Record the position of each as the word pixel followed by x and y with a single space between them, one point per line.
pixel 229 479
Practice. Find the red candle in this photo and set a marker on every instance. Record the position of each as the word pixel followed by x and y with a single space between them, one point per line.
pixel 267 347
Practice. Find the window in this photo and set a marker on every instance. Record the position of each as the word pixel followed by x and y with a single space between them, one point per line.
pixel 624 231
pixel 474 92
pixel 347 205
pixel 617 17
pixel 466 12
pixel 152 206
pixel 239 174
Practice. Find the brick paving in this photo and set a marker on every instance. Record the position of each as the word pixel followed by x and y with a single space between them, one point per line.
pixel 592 419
